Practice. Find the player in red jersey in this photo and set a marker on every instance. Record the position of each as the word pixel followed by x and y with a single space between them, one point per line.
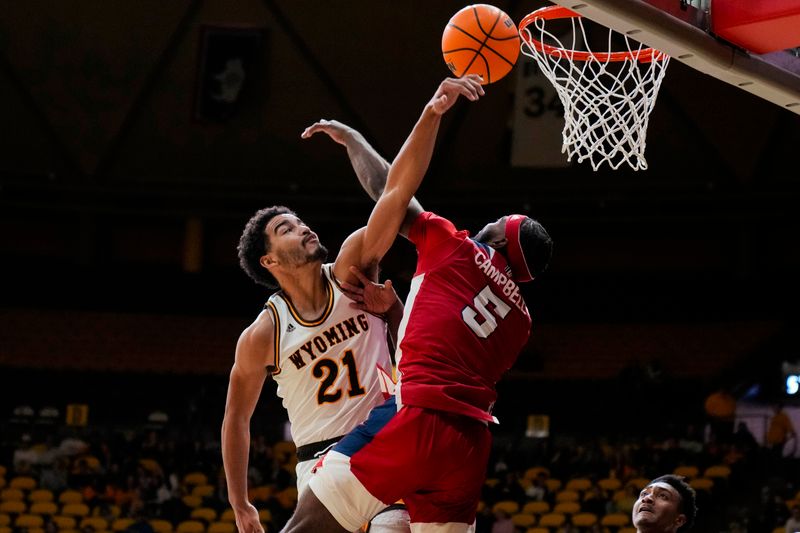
pixel 464 324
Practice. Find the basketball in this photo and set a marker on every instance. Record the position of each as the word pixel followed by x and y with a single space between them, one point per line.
pixel 480 39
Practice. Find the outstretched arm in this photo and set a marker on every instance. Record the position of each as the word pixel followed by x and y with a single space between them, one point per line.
pixel 370 167
pixel 409 167
pixel 392 212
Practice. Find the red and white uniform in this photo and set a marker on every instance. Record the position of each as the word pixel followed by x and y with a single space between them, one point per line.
pixel 464 324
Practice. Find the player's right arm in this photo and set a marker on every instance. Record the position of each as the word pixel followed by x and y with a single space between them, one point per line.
pixel 254 353
pixel 367 246
pixel 388 217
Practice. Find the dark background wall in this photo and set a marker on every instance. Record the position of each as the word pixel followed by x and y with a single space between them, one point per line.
pixel 119 206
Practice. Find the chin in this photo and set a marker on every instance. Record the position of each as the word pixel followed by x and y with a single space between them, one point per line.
pixel 320 254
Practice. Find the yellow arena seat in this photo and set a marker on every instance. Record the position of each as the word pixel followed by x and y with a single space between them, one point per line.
pixel 12 494
pixel 26 521
pixel 509 507
pixel 264 515
pixel 553 484
pixel 567 508
pixel 41 495
pixel 13 507
pixel 536 508
pixel 221 527
pixel 75 509
pixel 567 496
pixel 161 526
pixel 121 524
pixel 610 484
pixel 552 520
pixel 44 508
pixel 228 516
pixel 195 478
pixel 615 520
pixel 579 484
pixel 687 471
pixel 192 501
pixel 204 491
pixel 191 526
pixel 64 522
pixel 702 483
pixel 523 520
pixel 70 496
pixel 98 523
pixel 23 483
pixel 584 519
pixel 717 472
pixel 204 513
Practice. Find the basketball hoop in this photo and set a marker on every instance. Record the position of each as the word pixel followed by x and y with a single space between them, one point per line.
pixel 607 96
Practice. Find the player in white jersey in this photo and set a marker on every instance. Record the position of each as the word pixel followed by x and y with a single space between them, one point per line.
pixel 330 371
pixel 328 358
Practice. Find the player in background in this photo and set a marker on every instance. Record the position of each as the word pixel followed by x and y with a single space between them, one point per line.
pixel 666 505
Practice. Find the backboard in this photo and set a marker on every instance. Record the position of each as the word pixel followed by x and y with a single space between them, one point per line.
pixel 730 40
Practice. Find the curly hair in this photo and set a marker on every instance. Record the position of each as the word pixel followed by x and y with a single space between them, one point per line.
pixel 254 243
pixel 536 245
pixel 688 506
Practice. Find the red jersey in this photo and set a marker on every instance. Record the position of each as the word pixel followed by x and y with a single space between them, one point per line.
pixel 464 325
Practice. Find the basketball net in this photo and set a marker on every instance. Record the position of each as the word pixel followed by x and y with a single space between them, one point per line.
pixel 607 96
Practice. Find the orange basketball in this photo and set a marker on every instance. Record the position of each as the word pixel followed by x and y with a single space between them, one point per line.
pixel 480 39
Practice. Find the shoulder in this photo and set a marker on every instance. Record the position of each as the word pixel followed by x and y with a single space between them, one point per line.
pixel 255 343
pixel 429 222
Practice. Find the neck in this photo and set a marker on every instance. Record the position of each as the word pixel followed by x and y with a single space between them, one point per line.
pixel 307 289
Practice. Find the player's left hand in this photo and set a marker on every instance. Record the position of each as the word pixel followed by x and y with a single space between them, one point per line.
pixel 375 298
pixel 333 128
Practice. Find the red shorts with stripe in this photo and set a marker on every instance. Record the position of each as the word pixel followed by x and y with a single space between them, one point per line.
pixel 434 461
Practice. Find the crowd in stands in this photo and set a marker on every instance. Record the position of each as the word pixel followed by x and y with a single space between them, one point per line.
pixel 165 475
pixel 158 480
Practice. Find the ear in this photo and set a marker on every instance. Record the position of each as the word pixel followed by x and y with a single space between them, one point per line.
pixel 679 521
pixel 498 243
pixel 267 261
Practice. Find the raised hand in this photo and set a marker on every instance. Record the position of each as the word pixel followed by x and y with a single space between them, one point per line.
pixel 375 298
pixel 333 128
pixel 446 95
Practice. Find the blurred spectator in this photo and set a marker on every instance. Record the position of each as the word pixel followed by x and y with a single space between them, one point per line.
pixel 502 522
pixel 54 477
pixel 779 432
pixel 624 504
pixel 793 523
pixel 720 407
pixel 537 490
pixel 508 488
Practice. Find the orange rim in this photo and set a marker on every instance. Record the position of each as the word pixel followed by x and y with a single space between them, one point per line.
pixel 645 55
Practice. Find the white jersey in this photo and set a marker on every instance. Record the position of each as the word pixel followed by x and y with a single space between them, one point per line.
pixel 330 371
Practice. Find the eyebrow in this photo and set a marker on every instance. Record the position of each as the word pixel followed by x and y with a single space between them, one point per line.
pixel 279 224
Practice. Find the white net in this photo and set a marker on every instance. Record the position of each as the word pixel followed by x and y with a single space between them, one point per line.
pixel 607 97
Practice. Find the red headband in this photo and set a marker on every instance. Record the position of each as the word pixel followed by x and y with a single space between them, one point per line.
pixel 516 259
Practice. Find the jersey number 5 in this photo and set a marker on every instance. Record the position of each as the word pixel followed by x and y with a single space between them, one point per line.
pixel 330 370
pixel 480 308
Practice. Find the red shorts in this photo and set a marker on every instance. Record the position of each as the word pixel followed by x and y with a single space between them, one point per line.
pixel 434 461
